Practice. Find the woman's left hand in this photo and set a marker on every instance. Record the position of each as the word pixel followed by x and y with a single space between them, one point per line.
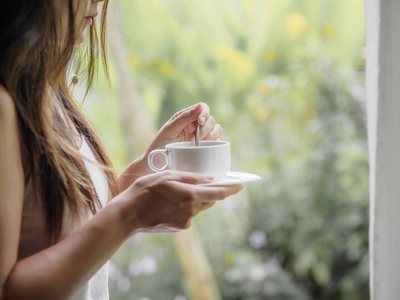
pixel 182 127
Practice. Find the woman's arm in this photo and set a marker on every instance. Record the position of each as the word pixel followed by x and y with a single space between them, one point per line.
pixel 57 271
pixel 11 187
pixel 60 270
pixel 135 170
pixel 163 202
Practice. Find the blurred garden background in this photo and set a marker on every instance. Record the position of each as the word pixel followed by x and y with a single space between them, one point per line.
pixel 285 79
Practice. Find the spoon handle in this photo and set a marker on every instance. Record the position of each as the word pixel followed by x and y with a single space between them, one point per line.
pixel 196 143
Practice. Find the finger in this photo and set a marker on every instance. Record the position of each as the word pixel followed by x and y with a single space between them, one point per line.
pixel 204 206
pixel 183 111
pixel 214 134
pixel 176 186
pixel 204 114
pixel 196 193
pixel 215 193
pixel 190 131
pixel 205 130
pixel 188 212
pixel 186 177
pixel 165 228
pixel 177 227
pixel 181 119
pixel 207 127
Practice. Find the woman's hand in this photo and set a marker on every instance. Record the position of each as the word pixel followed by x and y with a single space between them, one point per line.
pixel 167 201
pixel 182 127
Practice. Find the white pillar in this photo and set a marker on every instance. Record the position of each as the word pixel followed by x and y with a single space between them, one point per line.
pixel 383 106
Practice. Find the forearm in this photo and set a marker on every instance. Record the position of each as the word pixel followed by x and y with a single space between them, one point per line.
pixel 135 170
pixel 59 271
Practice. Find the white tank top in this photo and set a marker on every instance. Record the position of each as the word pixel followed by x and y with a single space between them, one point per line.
pixel 97 287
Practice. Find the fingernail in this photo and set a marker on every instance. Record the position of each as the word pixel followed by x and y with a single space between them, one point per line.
pixel 208 179
pixel 196 106
pixel 202 120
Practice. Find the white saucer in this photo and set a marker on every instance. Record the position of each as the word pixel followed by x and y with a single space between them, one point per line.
pixel 235 178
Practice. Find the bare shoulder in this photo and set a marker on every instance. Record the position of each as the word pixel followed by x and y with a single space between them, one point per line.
pixel 9 133
pixel 7 108
pixel 11 167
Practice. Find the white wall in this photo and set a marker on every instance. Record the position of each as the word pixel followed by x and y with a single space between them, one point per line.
pixel 383 98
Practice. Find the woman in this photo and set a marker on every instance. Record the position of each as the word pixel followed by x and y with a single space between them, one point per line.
pixel 63 213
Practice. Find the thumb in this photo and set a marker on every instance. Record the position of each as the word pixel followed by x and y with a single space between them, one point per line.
pixel 188 177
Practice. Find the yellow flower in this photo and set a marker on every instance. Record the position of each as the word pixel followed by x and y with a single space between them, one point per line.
pixel 271 56
pixel 296 24
pixel 166 68
pixel 328 31
pixel 229 259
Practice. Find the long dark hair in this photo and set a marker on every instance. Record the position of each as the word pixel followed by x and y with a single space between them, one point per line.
pixel 33 68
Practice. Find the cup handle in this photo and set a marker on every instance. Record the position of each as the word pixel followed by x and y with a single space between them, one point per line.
pixel 151 156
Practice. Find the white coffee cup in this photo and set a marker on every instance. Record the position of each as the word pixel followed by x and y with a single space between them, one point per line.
pixel 210 158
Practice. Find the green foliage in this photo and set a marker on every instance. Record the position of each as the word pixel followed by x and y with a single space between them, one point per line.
pixel 285 79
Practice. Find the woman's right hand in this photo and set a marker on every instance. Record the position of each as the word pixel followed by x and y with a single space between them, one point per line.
pixel 167 201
